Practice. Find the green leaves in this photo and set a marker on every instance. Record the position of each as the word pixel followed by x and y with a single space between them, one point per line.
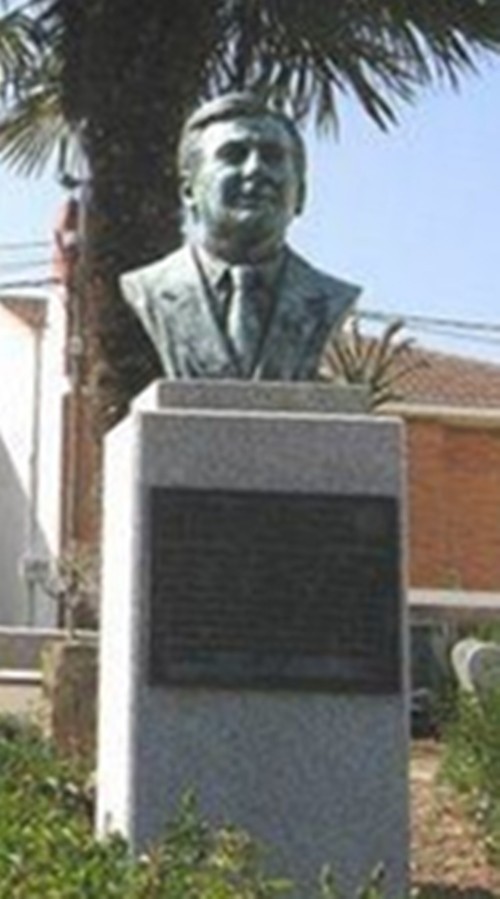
pixel 472 761
pixel 56 56
pixel 17 49
pixel 32 129
pixel 306 54
pixel 380 364
pixel 31 122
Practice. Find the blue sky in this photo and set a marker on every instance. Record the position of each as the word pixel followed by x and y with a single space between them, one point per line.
pixel 413 215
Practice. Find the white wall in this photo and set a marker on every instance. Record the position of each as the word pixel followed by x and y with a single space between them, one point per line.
pixel 29 523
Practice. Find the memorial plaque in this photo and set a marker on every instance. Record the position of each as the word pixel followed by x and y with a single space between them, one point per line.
pixel 273 590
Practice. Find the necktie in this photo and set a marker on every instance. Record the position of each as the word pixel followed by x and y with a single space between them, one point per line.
pixel 243 322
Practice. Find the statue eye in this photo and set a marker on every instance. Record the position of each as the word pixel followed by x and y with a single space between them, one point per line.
pixel 272 154
pixel 233 152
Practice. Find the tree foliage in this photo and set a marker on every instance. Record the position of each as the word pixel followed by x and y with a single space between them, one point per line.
pixel 301 54
pixel 116 78
pixel 31 120
pixel 16 46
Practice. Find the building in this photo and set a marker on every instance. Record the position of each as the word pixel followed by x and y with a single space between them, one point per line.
pixel 32 384
pixel 452 414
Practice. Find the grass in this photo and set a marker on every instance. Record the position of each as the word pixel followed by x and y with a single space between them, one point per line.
pixel 472 761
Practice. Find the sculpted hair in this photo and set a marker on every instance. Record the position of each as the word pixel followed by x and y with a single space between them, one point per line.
pixel 236 106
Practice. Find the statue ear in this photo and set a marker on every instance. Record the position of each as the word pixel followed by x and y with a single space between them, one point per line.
pixel 186 191
pixel 301 197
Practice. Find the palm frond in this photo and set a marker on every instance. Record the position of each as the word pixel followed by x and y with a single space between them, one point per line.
pixel 30 134
pixel 302 54
pixel 17 49
pixel 307 53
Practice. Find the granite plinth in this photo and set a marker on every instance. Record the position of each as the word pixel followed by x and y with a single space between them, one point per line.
pixel 250 396
pixel 320 777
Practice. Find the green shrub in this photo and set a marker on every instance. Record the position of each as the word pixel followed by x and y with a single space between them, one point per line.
pixel 46 845
pixel 472 760
pixel 47 849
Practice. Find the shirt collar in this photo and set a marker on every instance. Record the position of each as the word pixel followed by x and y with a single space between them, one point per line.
pixel 216 269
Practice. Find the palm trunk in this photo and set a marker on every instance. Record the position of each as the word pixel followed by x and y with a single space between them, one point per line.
pixel 133 115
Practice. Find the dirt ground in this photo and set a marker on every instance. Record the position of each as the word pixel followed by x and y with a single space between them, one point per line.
pixel 448 855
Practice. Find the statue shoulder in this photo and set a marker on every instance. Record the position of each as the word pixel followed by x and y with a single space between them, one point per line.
pixel 162 275
pixel 315 281
pixel 333 297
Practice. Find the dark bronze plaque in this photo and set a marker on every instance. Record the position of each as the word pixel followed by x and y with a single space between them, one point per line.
pixel 274 590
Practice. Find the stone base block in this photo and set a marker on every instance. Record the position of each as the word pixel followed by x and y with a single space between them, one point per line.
pixel 318 775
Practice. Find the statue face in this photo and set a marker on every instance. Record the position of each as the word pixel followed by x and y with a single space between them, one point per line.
pixel 243 193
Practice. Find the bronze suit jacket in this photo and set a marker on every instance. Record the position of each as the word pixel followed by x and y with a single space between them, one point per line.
pixel 178 315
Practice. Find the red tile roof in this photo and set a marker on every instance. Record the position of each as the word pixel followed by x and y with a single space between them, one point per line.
pixel 445 380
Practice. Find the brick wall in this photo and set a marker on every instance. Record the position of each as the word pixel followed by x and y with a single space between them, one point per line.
pixel 454 504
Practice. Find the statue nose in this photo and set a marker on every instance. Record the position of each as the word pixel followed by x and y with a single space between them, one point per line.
pixel 253 162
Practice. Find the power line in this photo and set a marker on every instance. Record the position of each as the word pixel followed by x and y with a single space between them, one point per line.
pixel 427 320
pixel 460 329
pixel 491 339
pixel 31 263
pixel 39 282
pixel 25 245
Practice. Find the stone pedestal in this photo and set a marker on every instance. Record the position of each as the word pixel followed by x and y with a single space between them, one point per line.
pixel 69 696
pixel 268 679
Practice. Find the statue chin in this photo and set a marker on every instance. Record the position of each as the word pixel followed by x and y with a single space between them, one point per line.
pixel 244 238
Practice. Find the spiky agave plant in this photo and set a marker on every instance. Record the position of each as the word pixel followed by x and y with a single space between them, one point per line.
pixel 379 363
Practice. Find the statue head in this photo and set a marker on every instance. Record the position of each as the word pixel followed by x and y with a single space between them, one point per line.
pixel 242 175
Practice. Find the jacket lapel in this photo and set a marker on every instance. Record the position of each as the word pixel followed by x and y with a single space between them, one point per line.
pixel 292 325
pixel 307 307
pixel 193 327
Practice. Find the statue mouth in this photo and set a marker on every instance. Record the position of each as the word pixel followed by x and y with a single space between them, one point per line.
pixel 258 195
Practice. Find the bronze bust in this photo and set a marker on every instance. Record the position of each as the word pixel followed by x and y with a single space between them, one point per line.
pixel 235 301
